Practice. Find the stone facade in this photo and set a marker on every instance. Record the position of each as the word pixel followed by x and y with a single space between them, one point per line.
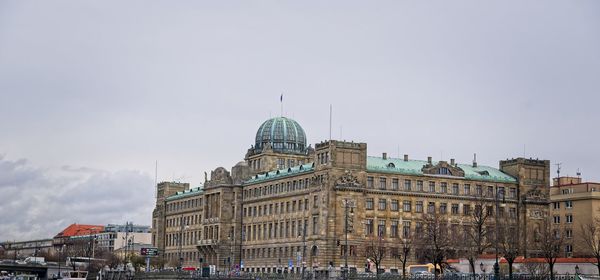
pixel 269 219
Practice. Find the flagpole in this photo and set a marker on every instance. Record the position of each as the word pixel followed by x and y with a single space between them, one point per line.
pixel 281 102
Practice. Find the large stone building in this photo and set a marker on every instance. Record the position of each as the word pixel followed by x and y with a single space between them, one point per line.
pixel 286 204
pixel 574 204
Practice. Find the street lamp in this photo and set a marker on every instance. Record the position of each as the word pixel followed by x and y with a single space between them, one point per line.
pixel 482 267
pixel 496 264
pixel 181 228
pixel 61 248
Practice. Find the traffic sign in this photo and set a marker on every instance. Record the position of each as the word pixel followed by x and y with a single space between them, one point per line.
pixel 151 251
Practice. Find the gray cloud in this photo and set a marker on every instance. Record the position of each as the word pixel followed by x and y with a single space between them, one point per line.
pixel 38 203
pixel 113 85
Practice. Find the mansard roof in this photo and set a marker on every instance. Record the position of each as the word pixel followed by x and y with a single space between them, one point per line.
pixel 415 167
pixel 281 173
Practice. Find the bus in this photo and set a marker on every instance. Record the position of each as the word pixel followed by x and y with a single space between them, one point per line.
pixel 423 269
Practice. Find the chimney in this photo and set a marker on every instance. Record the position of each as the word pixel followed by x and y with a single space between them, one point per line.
pixel 384 155
pixel 451 161
pixel 429 160
pixel 474 160
pixel 405 157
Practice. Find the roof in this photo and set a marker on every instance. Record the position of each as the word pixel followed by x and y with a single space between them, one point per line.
pixel 413 167
pixel 77 230
pixel 186 193
pixel 276 174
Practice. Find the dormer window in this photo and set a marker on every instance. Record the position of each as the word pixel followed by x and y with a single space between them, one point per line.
pixel 444 171
pixel 391 165
pixel 484 173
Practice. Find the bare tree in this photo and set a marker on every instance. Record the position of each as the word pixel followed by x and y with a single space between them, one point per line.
pixel 508 240
pixel 477 233
pixel 375 250
pixel 406 246
pixel 550 241
pixel 590 240
pixel 437 244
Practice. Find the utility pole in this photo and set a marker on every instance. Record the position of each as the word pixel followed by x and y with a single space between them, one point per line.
pixel 496 265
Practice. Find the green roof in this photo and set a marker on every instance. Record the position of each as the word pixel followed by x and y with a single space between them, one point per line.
pixel 276 174
pixel 185 193
pixel 413 167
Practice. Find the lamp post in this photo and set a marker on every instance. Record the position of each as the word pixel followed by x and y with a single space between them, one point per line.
pixel 482 268
pixel 179 239
pixel 90 248
pixel 496 264
pixel 347 205
pixel 59 257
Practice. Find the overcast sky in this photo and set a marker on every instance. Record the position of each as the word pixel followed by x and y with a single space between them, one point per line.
pixel 92 93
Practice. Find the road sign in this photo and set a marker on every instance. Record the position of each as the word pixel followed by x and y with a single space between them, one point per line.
pixel 151 251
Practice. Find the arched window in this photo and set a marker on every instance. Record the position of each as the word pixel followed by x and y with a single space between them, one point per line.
pixel 391 165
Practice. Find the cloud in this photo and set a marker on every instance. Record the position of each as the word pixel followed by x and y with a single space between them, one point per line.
pixel 39 203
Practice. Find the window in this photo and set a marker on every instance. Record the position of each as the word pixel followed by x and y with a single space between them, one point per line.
pixel 501 193
pixel 431 186
pixel 419 185
pixel 315 201
pixel 454 209
pixel 556 205
pixel 569 249
pixel 369 203
pixel 381 228
pixel 394 228
pixel 512 193
pixel 512 212
pixel 431 207
pixel 406 206
pixel 479 190
pixel 394 206
pixel 467 189
pixel 443 208
pixel 382 183
pixel 370 182
pixel 444 171
pixel 569 204
pixel 455 189
pixel 315 225
pixel 407 185
pixel 419 207
pixel 444 187
pixel 369 227
pixel 382 204
pixel 557 219
pixel 490 191
pixel 467 210
pixel 569 233
pixel 395 184
pixel 405 229
pixel 569 218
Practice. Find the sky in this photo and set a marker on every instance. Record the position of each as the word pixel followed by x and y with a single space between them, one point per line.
pixel 94 93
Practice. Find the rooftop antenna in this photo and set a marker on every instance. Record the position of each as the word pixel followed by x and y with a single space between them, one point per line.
pixel 578 173
pixel 341 133
pixel 558 169
pixel 330 110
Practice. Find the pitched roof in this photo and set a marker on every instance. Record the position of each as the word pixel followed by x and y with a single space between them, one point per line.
pixel 77 230
pixel 186 193
pixel 413 167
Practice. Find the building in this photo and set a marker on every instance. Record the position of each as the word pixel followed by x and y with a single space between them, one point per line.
pixel 115 237
pixel 21 249
pixel 284 206
pixel 574 204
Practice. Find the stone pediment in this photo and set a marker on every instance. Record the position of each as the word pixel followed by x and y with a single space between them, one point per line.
pixel 536 194
pixel 219 176
pixel 347 180
pixel 443 168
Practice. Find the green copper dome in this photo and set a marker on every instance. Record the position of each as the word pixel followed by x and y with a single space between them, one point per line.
pixel 283 134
